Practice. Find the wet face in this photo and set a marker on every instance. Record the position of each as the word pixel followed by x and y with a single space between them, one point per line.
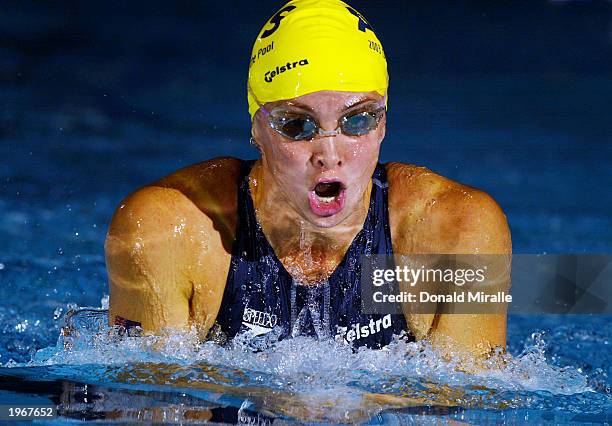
pixel 323 179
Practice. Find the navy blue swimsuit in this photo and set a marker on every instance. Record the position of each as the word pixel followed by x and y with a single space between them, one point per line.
pixel 264 303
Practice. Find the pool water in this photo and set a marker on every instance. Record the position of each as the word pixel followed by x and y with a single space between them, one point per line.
pixel 95 106
pixel 95 372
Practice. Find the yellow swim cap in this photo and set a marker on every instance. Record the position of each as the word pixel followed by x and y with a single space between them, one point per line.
pixel 312 45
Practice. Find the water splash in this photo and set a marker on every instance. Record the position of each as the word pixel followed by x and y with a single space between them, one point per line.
pixel 403 374
pixel 304 378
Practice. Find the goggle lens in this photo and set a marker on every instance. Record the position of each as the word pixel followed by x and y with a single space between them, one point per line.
pixel 359 124
pixel 296 127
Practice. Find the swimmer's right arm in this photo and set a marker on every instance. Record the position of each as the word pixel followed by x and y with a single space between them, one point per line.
pixel 144 262
pixel 167 249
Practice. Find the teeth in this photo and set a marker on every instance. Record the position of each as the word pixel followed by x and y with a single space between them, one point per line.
pixel 326 199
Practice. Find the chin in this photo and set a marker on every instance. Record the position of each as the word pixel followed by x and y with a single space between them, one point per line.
pixel 325 222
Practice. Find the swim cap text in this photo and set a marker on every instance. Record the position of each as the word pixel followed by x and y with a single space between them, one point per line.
pixel 269 76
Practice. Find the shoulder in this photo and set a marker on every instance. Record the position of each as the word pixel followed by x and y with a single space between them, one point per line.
pixel 431 213
pixel 168 246
pixel 202 195
pixel 211 185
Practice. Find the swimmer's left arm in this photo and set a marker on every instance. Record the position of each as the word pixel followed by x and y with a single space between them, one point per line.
pixel 478 227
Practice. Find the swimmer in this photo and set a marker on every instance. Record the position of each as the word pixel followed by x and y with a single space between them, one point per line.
pixel 231 247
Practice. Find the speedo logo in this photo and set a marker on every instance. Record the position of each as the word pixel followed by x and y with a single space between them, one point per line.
pixel 259 322
pixel 269 76
pixel 360 331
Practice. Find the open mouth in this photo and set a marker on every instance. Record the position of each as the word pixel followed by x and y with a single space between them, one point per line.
pixel 327 197
pixel 327 191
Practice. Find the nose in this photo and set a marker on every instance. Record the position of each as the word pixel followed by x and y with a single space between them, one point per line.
pixel 325 154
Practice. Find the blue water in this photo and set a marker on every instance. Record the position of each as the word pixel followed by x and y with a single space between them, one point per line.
pixel 97 102
pixel 103 375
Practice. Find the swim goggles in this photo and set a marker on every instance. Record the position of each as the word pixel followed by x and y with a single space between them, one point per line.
pixel 298 126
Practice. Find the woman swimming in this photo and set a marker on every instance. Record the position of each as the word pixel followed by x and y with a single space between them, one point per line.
pixel 271 248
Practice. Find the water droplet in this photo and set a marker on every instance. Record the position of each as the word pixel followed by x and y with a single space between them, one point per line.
pixel 57 313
